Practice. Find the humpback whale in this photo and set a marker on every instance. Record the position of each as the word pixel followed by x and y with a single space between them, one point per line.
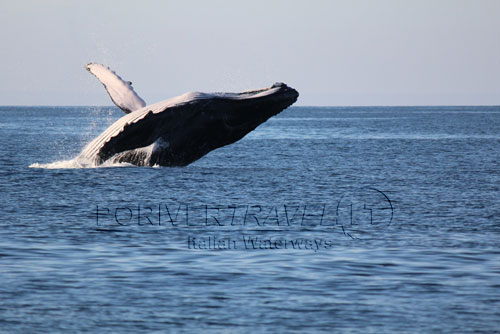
pixel 180 130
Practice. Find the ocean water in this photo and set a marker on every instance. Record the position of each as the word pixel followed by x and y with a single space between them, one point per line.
pixel 352 220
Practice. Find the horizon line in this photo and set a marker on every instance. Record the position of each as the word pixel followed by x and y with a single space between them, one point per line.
pixel 293 106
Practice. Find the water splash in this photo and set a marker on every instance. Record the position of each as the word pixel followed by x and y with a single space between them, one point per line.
pixel 79 164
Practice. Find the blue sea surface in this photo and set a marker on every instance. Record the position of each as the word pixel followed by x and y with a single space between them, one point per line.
pixel 324 219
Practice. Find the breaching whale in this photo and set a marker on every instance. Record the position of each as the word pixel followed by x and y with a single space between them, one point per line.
pixel 180 130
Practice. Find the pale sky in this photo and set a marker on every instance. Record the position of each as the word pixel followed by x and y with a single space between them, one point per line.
pixel 353 52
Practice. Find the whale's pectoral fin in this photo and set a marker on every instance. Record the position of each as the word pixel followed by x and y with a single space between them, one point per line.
pixel 121 92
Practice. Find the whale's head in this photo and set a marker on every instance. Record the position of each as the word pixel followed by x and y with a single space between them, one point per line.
pixel 251 108
pixel 219 119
